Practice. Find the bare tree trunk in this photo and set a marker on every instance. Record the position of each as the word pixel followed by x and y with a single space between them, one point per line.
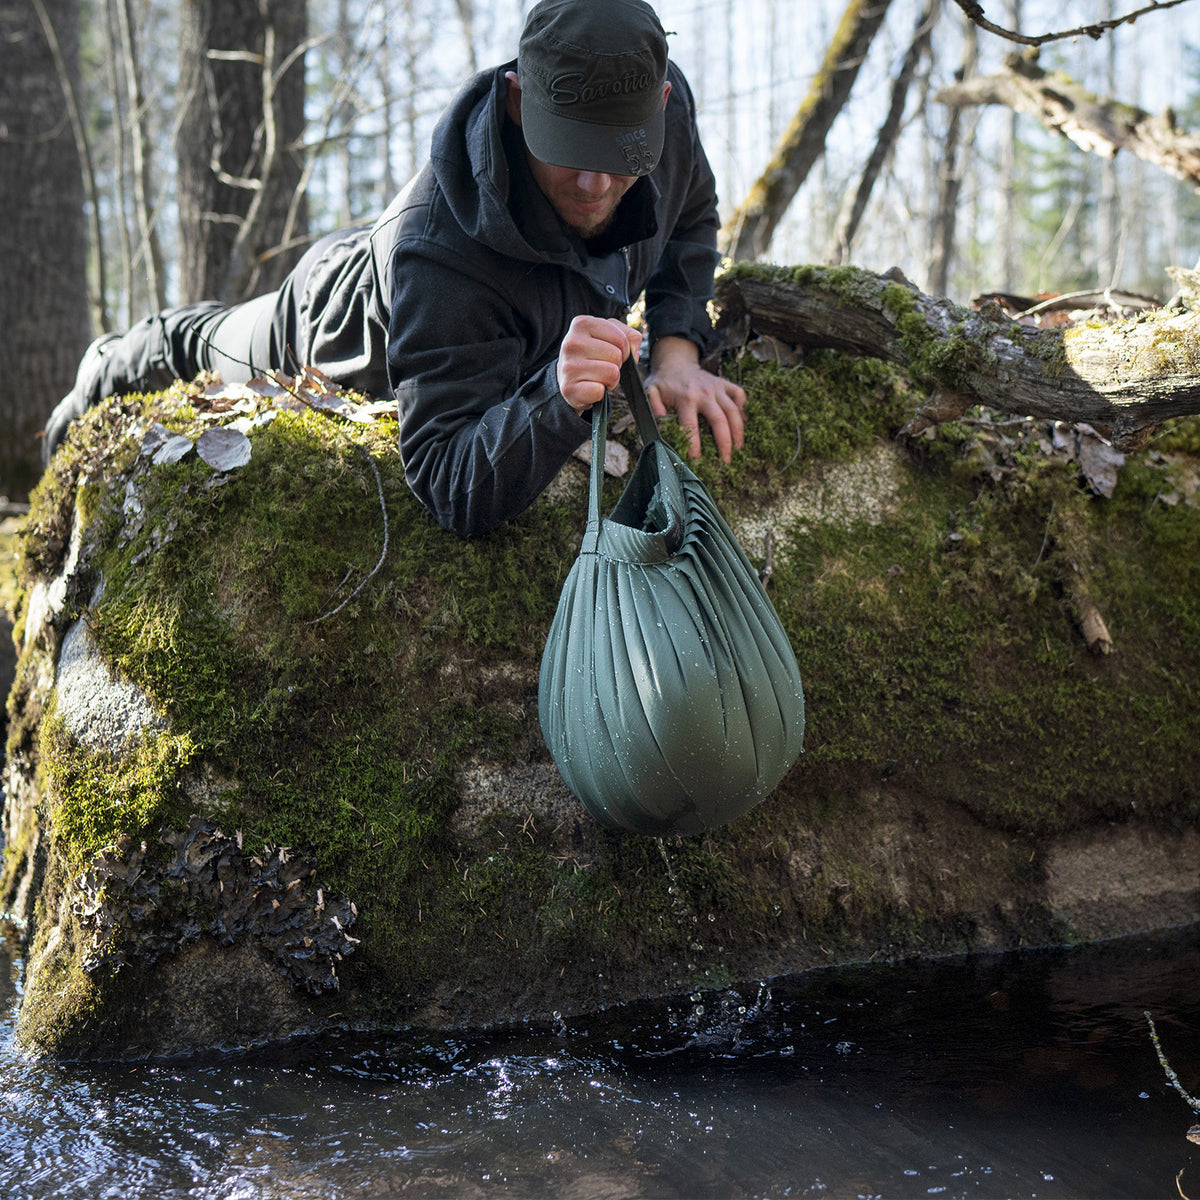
pixel 466 18
pixel 1007 270
pixel 747 233
pixel 412 65
pixel 941 242
pixel 1123 378
pixel 120 192
pixel 241 106
pixel 343 114
pixel 1109 232
pixel 885 139
pixel 149 252
pixel 1098 125
pixel 44 322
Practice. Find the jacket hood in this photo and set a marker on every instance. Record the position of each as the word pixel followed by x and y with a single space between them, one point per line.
pixel 472 166
pixel 478 159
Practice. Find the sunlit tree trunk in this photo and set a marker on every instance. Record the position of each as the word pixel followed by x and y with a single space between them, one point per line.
pixel 747 233
pixel 148 256
pixel 44 322
pixel 885 140
pixel 119 218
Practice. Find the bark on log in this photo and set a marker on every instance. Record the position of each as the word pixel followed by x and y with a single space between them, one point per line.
pixel 1122 378
pixel 1096 124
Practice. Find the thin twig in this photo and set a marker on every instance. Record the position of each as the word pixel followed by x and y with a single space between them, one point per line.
pixel 382 555
pixel 1045 536
pixel 1095 31
pixel 1166 1066
pixel 345 580
pixel 799 442
pixel 984 423
pixel 768 566
pixel 1055 301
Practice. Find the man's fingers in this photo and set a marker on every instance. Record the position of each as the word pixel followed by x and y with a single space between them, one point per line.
pixel 657 407
pixel 721 411
pixel 590 358
pixel 603 338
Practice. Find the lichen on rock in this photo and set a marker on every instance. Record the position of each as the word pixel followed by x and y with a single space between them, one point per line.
pixel 136 907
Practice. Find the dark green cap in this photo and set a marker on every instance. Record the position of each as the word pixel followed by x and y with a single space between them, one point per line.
pixel 592 74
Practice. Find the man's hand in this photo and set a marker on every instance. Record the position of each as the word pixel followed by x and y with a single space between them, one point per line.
pixel 678 381
pixel 590 358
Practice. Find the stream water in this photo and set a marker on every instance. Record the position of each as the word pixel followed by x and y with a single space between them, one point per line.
pixel 1029 1075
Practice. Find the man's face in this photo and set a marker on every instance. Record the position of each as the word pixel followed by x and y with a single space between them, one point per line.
pixel 585 201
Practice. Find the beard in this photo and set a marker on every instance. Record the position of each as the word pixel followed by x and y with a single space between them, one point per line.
pixel 595 228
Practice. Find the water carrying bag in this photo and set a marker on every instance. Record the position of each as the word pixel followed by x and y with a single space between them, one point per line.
pixel 669 694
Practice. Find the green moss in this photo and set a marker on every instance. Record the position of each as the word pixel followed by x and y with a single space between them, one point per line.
pixel 942 643
pixel 97 795
pixel 934 358
pixel 335 726
pixel 1181 435
pixel 828 409
pixel 8 572
pixel 1172 351
pixel 851 283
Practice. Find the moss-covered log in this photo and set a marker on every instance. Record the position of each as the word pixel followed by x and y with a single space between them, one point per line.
pixel 331 769
pixel 1123 378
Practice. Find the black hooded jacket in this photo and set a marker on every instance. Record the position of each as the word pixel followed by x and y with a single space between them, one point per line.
pixel 482 281
pixel 457 300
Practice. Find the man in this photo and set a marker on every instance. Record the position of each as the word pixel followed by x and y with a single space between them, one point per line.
pixel 490 297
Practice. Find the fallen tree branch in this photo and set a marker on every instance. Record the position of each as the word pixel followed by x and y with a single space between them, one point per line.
pixel 1097 124
pixel 1122 378
pixel 1172 1078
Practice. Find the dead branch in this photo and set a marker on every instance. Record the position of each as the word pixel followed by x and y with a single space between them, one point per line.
pixel 1096 124
pixel 1095 31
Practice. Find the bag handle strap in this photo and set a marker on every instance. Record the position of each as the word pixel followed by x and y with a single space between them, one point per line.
pixel 635 393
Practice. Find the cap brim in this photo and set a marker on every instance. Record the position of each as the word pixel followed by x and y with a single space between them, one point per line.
pixel 585 146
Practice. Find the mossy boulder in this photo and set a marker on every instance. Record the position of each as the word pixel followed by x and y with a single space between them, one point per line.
pixel 274 763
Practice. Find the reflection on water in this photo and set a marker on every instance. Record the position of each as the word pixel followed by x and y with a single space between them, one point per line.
pixel 1028 1075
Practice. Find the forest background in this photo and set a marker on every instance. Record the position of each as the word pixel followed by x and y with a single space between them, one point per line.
pixel 155 152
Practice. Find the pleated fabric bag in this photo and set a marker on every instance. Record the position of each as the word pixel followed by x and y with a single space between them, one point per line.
pixel 669 695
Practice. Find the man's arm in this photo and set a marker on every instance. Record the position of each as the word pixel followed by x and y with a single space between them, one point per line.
pixel 484 426
pixel 677 295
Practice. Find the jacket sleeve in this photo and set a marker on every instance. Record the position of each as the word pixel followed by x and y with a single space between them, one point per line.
pixel 483 430
pixel 678 290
